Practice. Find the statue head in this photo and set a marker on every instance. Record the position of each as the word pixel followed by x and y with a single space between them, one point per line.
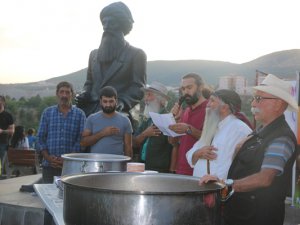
pixel 116 17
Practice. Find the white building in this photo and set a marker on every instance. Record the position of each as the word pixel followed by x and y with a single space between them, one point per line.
pixel 236 83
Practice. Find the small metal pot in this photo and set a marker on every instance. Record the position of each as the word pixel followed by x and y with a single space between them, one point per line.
pixel 80 163
pixel 140 199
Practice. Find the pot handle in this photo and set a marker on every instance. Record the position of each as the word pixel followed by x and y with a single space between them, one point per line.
pixel 227 196
pixel 83 166
pixel 101 167
pixel 57 181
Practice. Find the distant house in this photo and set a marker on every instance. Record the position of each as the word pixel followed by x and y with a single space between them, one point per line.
pixel 234 82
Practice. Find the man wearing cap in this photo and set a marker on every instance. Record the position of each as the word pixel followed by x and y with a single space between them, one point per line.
pixel 108 131
pixel 155 148
pixel 262 168
pixel 115 63
pixel 222 131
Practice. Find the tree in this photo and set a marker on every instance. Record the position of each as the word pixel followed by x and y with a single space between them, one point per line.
pixel 28 112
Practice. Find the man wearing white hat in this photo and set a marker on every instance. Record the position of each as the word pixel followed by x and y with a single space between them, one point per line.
pixel 155 148
pixel 262 168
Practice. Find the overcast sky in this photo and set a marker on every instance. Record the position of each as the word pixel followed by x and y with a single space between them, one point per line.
pixel 41 39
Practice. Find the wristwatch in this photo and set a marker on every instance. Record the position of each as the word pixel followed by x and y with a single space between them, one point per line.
pixel 229 182
pixel 229 191
pixel 188 130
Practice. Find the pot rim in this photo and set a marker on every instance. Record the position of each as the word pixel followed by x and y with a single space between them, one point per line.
pixel 203 189
pixel 95 157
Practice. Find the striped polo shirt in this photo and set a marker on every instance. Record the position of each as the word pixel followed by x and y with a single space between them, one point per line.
pixel 278 153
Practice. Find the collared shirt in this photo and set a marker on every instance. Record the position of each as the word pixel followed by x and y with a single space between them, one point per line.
pixel 229 133
pixel 58 133
pixel 194 117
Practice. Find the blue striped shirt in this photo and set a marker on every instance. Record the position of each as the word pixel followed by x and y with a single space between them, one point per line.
pixel 278 153
pixel 59 134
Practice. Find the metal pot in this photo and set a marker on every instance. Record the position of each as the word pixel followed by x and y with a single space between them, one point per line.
pixel 140 199
pixel 79 163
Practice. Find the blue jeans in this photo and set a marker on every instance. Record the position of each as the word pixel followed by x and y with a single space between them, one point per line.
pixel 3 149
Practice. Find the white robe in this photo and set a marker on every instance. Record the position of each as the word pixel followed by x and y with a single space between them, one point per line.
pixel 229 133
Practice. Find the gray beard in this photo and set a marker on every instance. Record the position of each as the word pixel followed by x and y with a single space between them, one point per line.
pixel 153 106
pixel 110 47
pixel 210 126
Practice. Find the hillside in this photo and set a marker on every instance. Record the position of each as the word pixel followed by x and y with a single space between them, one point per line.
pixel 283 63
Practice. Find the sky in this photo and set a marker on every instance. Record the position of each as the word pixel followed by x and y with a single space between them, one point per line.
pixel 41 39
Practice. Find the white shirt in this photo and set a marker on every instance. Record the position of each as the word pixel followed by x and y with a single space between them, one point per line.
pixel 24 144
pixel 229 133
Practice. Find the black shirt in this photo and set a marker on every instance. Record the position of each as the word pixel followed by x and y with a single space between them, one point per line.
pixel 6 120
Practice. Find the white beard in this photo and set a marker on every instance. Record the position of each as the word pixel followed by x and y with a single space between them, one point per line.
pixel 153 106
pixel 212 119
pixel 254 110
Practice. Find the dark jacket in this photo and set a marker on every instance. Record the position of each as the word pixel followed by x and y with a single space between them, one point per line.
pixel 263 206
pixel 127 74
pixel 158 151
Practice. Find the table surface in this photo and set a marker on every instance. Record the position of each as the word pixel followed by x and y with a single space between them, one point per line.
pixel 49 196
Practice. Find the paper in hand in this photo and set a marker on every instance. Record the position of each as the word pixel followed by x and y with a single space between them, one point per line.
pixel 163 121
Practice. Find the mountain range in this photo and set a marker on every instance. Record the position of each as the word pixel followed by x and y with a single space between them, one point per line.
pixel 283 63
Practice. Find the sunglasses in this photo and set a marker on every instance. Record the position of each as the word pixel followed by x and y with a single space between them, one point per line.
pixel 258 98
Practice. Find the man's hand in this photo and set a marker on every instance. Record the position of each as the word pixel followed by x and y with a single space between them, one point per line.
pixel 55 162
pixel 108 131
pixel 179 128
pixel 207 152
pixel 152 131
pixel 207 179
pixel 175 110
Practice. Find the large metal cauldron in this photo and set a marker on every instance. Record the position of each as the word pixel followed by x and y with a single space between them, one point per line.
pixel 79 163
pixel 140 199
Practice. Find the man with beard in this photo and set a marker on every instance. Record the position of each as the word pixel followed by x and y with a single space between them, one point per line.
pixel 261 171
pixel 108 131
pixel 155 148
pixel 222 131
pixel 115 63
pixel 191 119
pixel 59 131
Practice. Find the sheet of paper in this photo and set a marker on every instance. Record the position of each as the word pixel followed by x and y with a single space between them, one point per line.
pixel 163 121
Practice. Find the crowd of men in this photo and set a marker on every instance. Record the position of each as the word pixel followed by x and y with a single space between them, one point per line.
pixel 257 164
pixel 215 143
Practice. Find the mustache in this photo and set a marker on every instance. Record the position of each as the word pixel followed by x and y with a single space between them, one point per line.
pixel 255 110
pixel 64 99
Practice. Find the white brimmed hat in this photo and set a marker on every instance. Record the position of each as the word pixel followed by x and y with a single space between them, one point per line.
pixel 279 88
pixel 157 88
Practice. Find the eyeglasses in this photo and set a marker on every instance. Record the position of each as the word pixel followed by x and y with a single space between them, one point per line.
pixel 258 98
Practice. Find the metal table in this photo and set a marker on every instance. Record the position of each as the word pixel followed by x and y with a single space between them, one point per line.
pixel 49 196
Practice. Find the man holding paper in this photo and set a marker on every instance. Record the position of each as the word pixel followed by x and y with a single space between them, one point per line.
pixel 155 148
pixel 191 119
